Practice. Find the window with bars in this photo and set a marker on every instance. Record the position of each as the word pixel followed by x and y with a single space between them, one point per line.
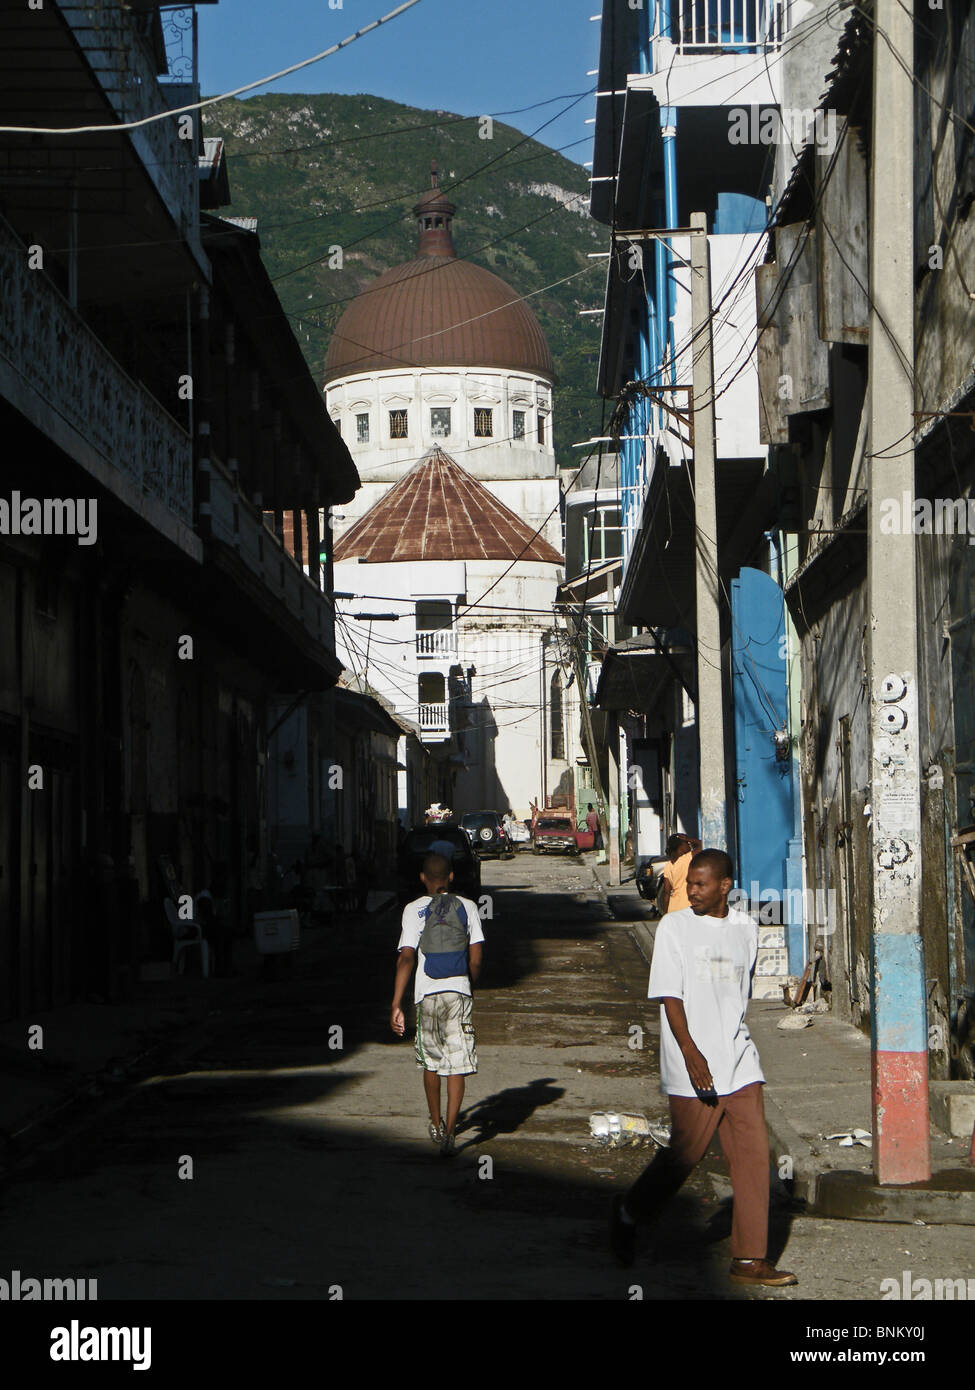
pixel 440 422
pixel 483 423
pixel 398 428
pixel 518 424
pixel 362 429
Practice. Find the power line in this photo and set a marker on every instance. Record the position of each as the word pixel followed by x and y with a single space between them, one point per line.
pixel 209 101
pixel 448 188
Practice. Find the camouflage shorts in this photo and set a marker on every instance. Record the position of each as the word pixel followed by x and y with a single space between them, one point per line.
pixel 445 1034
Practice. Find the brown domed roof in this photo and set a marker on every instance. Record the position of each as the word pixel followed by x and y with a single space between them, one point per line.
pixel 439 512
pixel 437 311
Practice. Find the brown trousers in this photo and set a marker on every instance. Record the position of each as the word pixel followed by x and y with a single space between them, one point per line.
pixel 740 1122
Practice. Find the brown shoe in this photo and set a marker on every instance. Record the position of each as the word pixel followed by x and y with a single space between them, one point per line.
pixel 760 1272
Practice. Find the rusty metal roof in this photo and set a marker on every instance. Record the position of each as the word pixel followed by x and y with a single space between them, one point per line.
pixel 439 512
pixel 437 311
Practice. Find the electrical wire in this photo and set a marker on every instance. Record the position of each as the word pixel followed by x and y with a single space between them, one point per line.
pixel 447 188
pixel 170 112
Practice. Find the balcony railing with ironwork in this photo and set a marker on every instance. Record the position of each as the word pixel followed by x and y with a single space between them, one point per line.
pixel 439 642
pixel 744 26
pixel 433 720
pixel 61 361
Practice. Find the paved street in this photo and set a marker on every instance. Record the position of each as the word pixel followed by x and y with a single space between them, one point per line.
pixel 311 1167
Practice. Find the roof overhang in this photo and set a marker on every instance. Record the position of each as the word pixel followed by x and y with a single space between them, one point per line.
pixel 236 258
pixel 636 673
pixel 594 583
pixel 619 42
pixel 658 587
pixel 363 712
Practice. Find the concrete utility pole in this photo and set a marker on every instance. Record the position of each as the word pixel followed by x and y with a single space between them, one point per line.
pixel 899 1033
pixel 710 705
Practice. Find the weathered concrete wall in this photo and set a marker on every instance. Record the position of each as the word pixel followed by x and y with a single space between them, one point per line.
pixel 835 773
pixel 944 175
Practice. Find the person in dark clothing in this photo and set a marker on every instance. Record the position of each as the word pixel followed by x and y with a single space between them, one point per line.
pixel 592 824
pixel 212 909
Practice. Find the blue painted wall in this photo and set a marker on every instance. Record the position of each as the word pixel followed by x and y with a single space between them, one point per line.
pixel 760 699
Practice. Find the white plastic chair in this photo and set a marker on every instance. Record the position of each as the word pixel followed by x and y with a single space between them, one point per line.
pixel 186 932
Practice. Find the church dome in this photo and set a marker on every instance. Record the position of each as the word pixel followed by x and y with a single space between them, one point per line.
pixel 437 311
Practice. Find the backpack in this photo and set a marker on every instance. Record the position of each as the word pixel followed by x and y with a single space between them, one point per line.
pixel 443 940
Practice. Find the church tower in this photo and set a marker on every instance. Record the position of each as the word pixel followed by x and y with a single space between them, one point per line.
pixel 440 379
pixel 440 353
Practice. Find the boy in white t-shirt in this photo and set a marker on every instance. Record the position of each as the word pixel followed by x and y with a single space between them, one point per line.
pixel 703 958
pixel 445 1043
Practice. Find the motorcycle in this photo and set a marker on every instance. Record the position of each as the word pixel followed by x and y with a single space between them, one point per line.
pixel 649 877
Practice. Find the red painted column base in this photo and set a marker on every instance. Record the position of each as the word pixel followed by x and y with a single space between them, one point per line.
pixel 902 1124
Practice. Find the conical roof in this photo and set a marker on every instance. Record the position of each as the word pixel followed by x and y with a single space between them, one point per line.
pixel 439 512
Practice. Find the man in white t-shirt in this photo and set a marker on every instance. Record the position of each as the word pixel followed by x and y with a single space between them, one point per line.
pixel 445 1043
pixel 703 958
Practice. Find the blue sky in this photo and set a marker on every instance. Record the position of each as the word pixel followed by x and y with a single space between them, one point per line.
pixel 469 57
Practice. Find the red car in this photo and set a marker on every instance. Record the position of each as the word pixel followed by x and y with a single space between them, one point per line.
pixel 554 834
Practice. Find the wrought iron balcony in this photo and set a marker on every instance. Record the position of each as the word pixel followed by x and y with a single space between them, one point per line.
pixel 62 375
pixel 440 642
pixel 434 722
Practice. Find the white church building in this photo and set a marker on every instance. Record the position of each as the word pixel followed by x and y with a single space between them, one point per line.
pixel 440 380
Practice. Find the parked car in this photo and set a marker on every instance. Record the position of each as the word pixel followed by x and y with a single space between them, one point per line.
pixel 554 834
pixel 487 833
pixel 415 847
pixel 518 832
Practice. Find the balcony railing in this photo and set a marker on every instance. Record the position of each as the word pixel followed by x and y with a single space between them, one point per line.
pixel 235 522
pixel 61 360
pixel 743 25
pixel 433 719
pixel 439 642
pixel 107 37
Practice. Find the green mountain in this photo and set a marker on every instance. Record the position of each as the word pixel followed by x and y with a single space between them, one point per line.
pixel 325 172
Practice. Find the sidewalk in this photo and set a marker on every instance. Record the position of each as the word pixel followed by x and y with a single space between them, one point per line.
pixel 90 1048
pixel 818 1084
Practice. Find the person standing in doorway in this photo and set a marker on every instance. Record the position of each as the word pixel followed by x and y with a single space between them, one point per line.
pixel 703 959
